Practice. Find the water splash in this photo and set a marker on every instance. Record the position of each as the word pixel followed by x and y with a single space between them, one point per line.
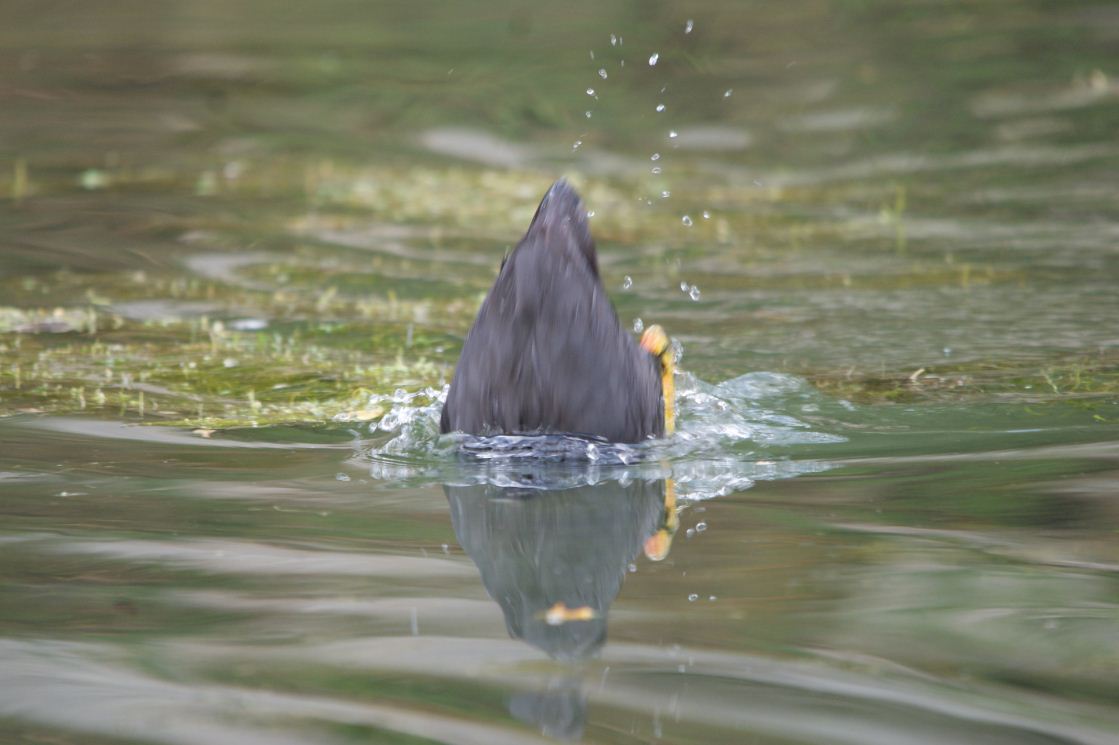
pixel 729 436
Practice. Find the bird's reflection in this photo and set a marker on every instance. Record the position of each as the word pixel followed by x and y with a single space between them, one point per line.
pixel 554 560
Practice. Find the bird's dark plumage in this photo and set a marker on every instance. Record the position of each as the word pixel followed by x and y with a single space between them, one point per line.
pixel 547 353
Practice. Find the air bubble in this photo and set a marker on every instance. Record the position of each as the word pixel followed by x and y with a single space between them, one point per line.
pixel 653 58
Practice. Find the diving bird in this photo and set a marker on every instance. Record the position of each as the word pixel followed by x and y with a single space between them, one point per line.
pixel 547 354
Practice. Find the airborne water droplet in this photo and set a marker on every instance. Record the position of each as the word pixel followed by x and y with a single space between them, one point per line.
pixel 588 114
pixel 655 156
pixel 655 170
pixel 638 325
pixel 602 73
pixel 660 107
pixel 627 282
pixel 687 220
pixel 673 134
pixel 683 287
pixel 706 215
pixel 694 295
pixel 693 597
pixel 653 58
pixel 666 194
pixel 577 144
pixel 688 26
pixel 727 92
pixel 613 40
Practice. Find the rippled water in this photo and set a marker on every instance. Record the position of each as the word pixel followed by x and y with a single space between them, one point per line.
pixel 240 245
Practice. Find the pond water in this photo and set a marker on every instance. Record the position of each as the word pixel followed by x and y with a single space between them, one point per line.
pixel 241 243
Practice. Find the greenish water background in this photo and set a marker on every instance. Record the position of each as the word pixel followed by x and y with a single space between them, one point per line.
pixel 230 231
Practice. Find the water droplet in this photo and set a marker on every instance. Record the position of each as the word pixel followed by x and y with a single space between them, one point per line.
pixel 758 183
pixel 947 351
pixel 592 54
pixel 577 144
pixel 590 213
pixel 706 215
pixel 632 568
pixel 653 58
pixel 673 134
pixel 655 170
pixel 727 92
pixel 446 549
pixel 613 40
pixel 588 114
pixel 655 156
pixel 688 26
pixel 687 220
pixel 712 598
pixel 660 107
pixel 590 91
pixel 627 282
pixel 602 73
pixel 638 325
pixel 341 477
pixel 693 597
pixel 694 293
pixel 700 526
pixel 683 287
pixel 666 194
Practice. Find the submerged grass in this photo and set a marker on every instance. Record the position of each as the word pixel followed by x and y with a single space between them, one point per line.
pixel 202 374
pixel 1073 377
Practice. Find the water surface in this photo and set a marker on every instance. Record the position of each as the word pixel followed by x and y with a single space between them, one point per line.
pixel 240 245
